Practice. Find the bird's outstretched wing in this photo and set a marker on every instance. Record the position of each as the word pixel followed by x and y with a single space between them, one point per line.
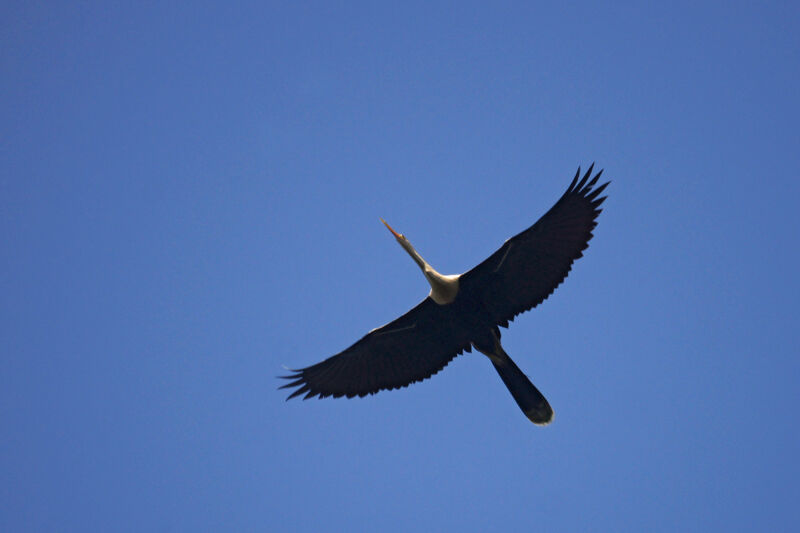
pixel 529 266
pixel 406 350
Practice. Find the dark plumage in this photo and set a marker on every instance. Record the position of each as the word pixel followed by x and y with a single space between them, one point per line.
pixel 520 275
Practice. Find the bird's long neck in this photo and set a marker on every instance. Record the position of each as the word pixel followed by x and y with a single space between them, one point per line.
pixel 443 288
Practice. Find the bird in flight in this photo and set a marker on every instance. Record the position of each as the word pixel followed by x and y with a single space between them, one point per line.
pixel 466 310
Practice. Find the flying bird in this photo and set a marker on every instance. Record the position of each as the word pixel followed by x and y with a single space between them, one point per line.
pixel 466 310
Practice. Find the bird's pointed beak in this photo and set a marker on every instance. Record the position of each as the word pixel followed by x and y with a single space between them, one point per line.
pixel 396 235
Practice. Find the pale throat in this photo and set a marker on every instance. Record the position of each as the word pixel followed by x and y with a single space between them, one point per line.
pixel 444 288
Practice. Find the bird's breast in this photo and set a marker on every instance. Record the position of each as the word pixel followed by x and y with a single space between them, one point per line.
pixel 444 289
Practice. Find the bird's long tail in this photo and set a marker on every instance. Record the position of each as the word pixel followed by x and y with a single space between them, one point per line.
pixel 530 400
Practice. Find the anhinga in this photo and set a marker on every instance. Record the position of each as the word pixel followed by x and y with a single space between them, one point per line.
pixel 465 310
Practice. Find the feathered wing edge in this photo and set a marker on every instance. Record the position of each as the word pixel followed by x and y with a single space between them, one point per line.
pixel 407 350
pixel 484 277
pixel 300 380
pixel 584 190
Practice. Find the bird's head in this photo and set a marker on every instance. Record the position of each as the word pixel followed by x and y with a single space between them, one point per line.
pixel 404 243
pixel 399 236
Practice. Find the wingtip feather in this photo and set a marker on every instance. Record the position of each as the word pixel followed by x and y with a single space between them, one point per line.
pixel 585 178
pixel 595 193
pixel 298 392
pixel 574 180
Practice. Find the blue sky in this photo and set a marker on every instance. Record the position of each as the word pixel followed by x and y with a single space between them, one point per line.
pixel 190 199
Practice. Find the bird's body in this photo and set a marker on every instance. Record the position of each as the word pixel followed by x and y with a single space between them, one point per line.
pixel 465 311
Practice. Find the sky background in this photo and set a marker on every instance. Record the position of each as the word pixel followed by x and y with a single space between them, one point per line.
pixel 189 202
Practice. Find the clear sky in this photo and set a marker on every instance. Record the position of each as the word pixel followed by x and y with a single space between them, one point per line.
pixel 190 199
